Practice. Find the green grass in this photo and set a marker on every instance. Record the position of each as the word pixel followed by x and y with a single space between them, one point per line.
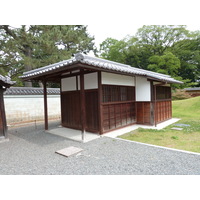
pixel 187 139
pixel 187 109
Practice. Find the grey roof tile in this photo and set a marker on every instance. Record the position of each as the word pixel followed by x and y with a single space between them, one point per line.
pixel 103 64
pixel 192 89
pixel 31 91
pixel 6 80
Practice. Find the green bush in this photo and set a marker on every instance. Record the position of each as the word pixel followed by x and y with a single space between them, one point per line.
pixel 174 137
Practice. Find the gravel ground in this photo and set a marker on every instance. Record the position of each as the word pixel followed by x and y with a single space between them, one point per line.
pixel 31 151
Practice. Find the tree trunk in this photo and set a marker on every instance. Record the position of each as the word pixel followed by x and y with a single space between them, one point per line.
pixel 28 66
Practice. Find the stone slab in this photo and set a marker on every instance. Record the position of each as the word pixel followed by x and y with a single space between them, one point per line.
pixel 69 151
pixel 182 125
pixel 178 129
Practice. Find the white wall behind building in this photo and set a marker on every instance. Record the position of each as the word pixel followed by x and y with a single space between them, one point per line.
pixel 21 108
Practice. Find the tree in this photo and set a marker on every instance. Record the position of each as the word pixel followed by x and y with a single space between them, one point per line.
pixel 167 49
pixel 34 46
pixel 188 52
pixel 112 49
pixel 157 39
pixel 165 64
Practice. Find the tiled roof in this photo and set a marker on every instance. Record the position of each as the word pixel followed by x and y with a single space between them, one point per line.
pixel 99 64
pixel 192 89
pixel 31 91
pixel 6 80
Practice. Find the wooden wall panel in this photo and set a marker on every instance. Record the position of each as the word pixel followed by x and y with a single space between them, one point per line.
pixel 163 111
pixel 92 117
pixel 70 104
pixel 144 113
pixel 117 115
pixel 1 123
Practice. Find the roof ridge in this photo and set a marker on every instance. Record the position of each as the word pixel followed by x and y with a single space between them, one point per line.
pixel 80 57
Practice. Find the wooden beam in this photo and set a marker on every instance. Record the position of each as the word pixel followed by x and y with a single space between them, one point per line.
pixel 82 101
pixel 45 105
pixel 100 103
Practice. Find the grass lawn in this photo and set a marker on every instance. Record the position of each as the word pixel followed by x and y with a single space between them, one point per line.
pixel 187 139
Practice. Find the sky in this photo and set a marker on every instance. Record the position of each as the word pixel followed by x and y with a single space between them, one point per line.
pixel 101 32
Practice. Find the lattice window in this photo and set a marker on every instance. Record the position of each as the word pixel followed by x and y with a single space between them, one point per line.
pixel 163 92
pixel 113 93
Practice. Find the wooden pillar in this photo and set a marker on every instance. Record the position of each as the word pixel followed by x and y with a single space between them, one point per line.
pixel 155 122
pixel 3 127
pixel 99 103
pixel 82 101
pixel 45 105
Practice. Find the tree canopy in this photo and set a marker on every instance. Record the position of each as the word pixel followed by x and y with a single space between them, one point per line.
pixel 167 49
pixel 29 47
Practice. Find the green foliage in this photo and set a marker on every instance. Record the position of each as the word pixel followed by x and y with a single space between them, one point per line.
pixel 167 49
pixel 29 47
pixel 165 64
pixel 174 137
pixel 114 50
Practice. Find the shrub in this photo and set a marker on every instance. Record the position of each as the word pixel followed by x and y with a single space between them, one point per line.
pixel 179 94
pixel 174 137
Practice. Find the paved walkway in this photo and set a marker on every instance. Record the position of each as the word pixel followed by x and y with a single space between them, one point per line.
pixel 31 151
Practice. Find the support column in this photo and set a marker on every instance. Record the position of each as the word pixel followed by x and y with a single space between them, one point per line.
pixel 155 106
pixel 82 101
pixel 3 129
pixel 99 103
pixel 45 105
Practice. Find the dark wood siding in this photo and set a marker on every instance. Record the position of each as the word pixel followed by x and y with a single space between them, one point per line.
pixel 163 110
pixel 118 115
pixel 145 113
pixel 1 123
pixel 118 107
pixel 91 101
pixel 70 112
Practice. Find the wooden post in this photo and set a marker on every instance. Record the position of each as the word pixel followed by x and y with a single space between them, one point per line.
pixel 82 100
pixel 99 103
pixel 45 105
pixel 2 114
pixel 155 106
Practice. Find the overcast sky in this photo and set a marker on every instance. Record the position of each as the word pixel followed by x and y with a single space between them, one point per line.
pixel 101 32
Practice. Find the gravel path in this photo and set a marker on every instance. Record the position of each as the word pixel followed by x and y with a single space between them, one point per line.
pixel 31 151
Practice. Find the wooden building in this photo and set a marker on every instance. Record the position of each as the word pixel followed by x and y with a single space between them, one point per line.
pixel 194 92
pixel 4 84
pixel 98 95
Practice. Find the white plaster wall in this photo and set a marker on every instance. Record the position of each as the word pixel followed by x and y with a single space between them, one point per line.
pixel 143 89
pixel 30 107
pixel 91 81
pixel 116 79
pixel 68 84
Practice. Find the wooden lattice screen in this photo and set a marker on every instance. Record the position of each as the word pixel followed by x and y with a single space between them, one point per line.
pixel 118 106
